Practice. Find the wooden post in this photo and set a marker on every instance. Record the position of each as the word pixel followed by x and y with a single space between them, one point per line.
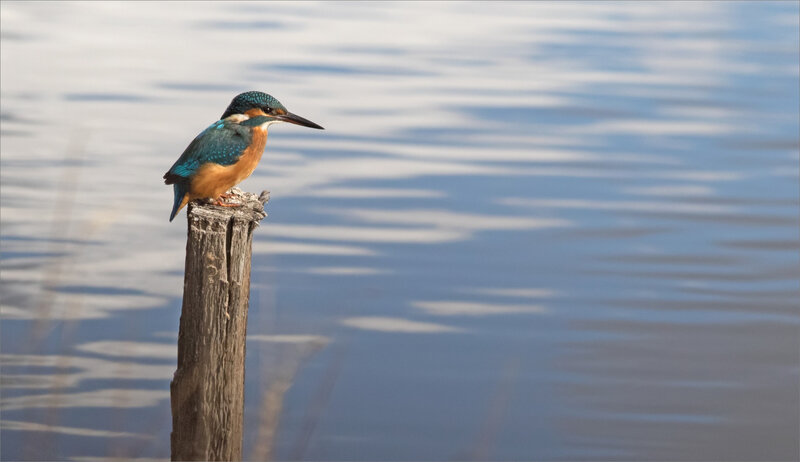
pixel 207 391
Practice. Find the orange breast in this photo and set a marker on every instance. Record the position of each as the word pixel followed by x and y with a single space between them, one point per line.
pixel 211 179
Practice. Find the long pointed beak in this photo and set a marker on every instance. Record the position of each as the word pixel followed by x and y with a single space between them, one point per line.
pixel 296 119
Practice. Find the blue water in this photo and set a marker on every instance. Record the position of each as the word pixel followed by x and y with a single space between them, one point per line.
pixel 530 231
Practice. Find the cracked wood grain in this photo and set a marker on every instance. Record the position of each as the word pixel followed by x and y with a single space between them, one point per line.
pixel 207 390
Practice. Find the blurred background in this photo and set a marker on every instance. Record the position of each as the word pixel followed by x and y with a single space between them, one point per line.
pixel 529 231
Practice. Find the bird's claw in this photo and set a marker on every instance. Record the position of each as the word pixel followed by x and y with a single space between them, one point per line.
pixel 222 203
pixel 221 200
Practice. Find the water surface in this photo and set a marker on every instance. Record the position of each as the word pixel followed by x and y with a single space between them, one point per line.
pixel 530 231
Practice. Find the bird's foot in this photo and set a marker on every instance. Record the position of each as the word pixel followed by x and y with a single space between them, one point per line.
pixel 226 195
pixel 220 201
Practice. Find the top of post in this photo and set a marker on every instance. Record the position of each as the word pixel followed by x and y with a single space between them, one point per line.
pixel 250 207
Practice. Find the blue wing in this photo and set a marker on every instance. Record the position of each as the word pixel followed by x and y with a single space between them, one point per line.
pixel 221 143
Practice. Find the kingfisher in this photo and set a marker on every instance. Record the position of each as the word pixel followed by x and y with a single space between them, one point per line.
pixel 228 151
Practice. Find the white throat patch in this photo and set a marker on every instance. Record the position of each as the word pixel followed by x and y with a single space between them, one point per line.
pixel 237 118
pixel 268 123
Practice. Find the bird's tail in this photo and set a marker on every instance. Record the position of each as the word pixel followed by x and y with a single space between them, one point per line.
pixel 181 198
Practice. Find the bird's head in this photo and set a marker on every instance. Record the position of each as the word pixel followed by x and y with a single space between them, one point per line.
pixel 258 104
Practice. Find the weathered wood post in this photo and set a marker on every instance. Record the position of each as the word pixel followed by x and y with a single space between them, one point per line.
pixel 207 391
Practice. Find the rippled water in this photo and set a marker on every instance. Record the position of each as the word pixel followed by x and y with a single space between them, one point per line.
pixel 530 231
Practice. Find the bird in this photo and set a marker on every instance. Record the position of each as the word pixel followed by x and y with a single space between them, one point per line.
pixel 227 151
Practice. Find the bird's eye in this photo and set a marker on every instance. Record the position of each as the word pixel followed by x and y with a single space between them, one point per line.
pixel 268 110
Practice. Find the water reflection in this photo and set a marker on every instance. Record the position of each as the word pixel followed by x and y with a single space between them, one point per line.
pixel 345 271
pixel 514 292
pixel 277 247
pixel 72 370
pixel 539 231
pixel 397 325
pixel 75 431
pixel 464 308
